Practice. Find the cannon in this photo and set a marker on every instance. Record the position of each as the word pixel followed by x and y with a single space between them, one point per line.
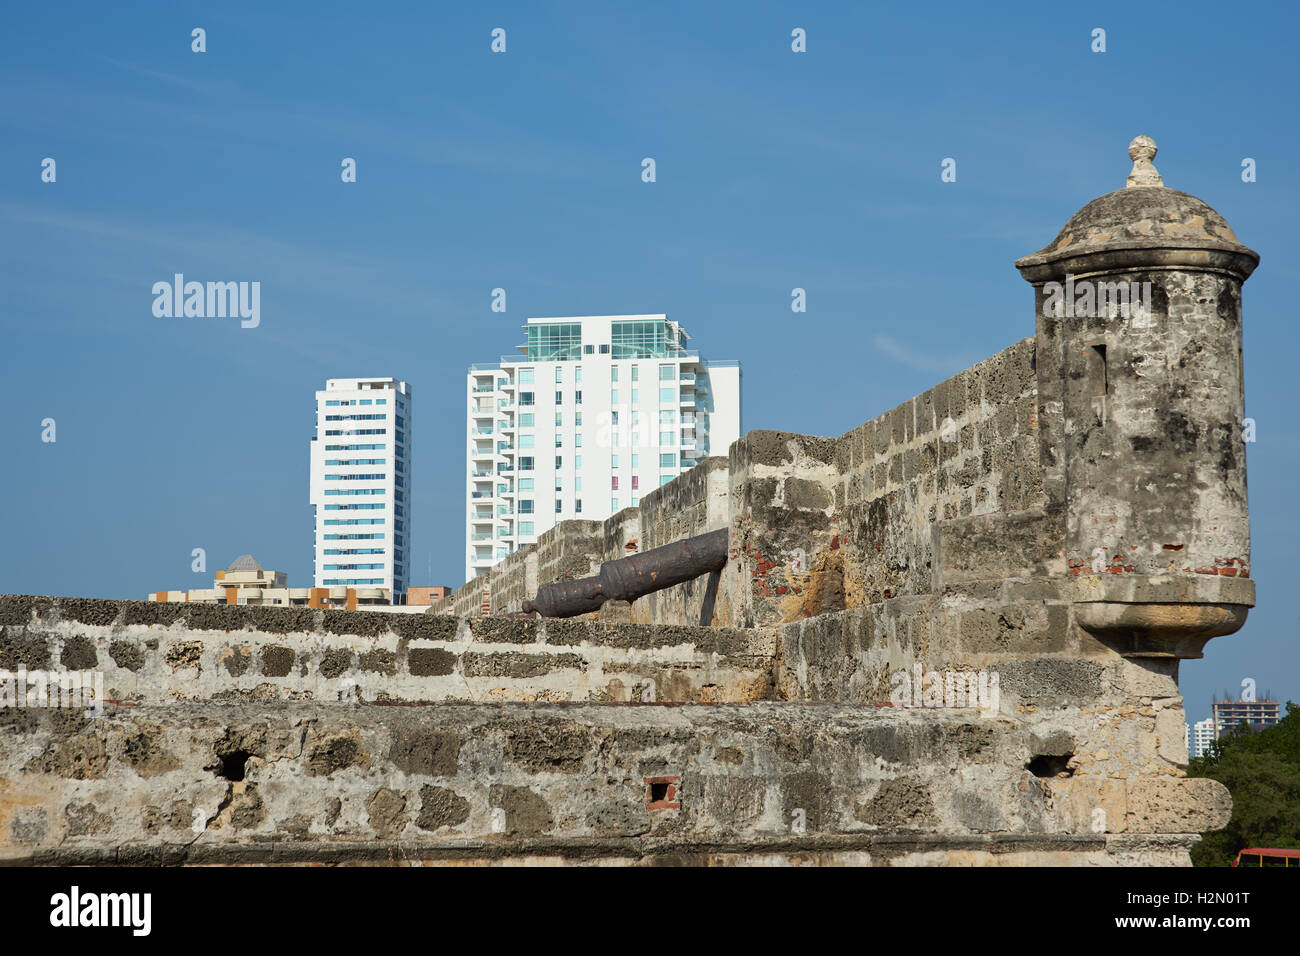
pixel 627 579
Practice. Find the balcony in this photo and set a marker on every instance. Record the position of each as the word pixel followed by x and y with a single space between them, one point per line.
pixel 480 494
pixel 688 442
pixel 504 447
pixel 686 399
pixel 687 378
pixel 505 492
pixel 505 426
pixel 481 537
pixel 481 473
pixel 481 389
pixel 506 469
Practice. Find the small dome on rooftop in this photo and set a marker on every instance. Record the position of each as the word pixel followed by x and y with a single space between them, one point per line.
pixel 245 562
pixel 1144 215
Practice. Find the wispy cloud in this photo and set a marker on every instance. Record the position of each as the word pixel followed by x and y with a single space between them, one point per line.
pixel 923 361
pixel 172 79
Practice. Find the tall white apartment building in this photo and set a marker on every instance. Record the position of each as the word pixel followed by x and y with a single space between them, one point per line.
pixel 593 413
pixel 361 484
pixel 1202 736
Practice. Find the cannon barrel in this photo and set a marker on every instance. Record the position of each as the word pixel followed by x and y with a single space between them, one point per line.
pixel 627 579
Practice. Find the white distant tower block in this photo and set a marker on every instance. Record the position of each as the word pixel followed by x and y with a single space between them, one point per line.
pixel 361 485
pixel 594 412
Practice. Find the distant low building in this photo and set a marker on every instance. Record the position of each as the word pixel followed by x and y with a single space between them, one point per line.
pixel 246 582
pixel 423 597
pixel 1228 715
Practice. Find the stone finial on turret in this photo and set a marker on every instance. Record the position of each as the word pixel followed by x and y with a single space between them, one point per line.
pixel 1142 150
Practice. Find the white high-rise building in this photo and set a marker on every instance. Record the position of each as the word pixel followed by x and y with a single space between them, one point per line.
pixel 595 412
pixel 1202 736
pixel 361 484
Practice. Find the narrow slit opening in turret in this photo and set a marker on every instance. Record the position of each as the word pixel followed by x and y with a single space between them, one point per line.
pixel 1098 373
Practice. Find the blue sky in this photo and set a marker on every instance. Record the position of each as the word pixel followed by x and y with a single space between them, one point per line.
pixel 522 171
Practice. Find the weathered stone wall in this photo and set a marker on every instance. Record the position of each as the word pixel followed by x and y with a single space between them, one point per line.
pixel 286 781
pixel 299 734
pixel 158 653
pixel 821 524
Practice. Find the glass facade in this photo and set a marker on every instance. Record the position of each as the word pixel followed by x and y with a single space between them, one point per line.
pixel 555 341
pixel 640 338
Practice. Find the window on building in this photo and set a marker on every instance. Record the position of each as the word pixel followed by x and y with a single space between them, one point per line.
pixel 577 440
pixel 614 482
pixel 526 463
pixel 577 483
pixel 559 440
pixel 668 395
pixel 613 505
pixel 558 506
pixel 526 398
pixel 577 506
pixel 664 479
pixel 525 484
pixel 636 482
pixel 559 374
pixel 613 418
pixel 577 375
pixel 604 350
pixel 668 461
pixel 525 527
pixel 588 349
pixel 559 419
pixel 613 373
pixel 525 376
pixel 577 419
pixel 613 461
pixel 577 462
pixel 636 460
pixel 636 395
pixel 667 416
pixel 613 396
pixel 614 440
pixel 558 480
pixel 526 441
pixel 667 439
pixel 667 373
pixel 525 506
pixel 636 373
pixel 559 398
pixel 559 462
pixel 577 397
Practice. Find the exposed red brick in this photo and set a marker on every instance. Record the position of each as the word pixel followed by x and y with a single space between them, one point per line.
pixel 670 801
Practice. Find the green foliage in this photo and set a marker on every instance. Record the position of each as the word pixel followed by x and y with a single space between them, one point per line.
pixel 1262 771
